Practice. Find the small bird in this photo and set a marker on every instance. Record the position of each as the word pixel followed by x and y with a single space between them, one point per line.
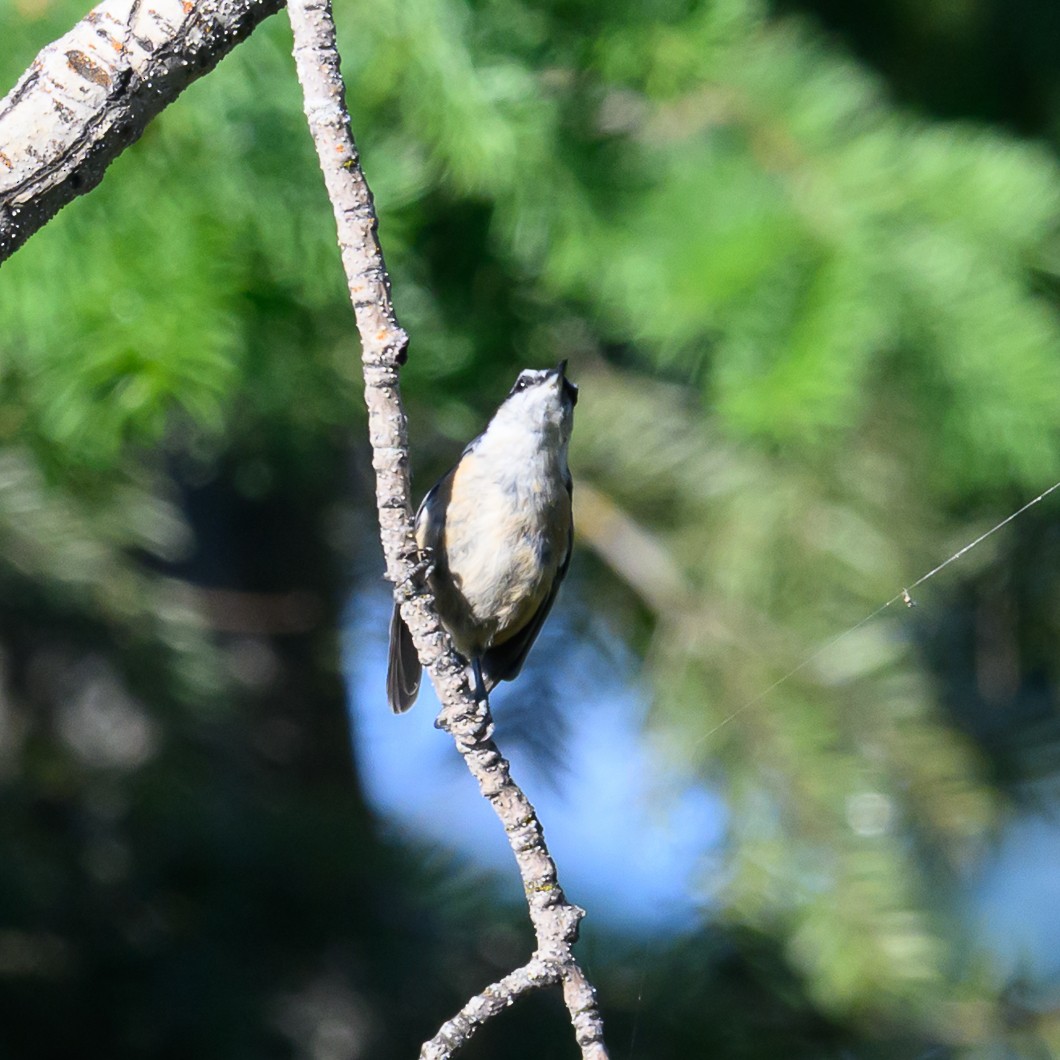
pixel 496 533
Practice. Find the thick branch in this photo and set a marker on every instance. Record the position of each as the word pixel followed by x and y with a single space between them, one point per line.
pixel 384 344
pixel 91 93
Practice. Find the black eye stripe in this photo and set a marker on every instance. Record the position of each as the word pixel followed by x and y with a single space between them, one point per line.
pixel 528 379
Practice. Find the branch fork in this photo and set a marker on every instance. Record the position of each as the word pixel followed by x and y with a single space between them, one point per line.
pixel 384 348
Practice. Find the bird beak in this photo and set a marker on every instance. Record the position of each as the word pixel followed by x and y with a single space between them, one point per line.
pixel 568 387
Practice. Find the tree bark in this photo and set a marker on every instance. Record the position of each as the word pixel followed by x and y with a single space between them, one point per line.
pixel 91 93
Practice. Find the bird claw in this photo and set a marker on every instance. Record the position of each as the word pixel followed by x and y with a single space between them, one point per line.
pixel 422 569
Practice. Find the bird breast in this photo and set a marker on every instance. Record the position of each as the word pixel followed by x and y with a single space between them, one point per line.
pixel 503 541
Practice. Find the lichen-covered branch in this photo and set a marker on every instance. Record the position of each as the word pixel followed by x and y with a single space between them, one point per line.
pixel 91 93
pixel 384 346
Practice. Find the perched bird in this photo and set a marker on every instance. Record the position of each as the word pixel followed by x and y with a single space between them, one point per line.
pixel 496 534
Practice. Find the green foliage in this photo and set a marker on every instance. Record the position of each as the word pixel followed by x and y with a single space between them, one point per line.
pixel 819 351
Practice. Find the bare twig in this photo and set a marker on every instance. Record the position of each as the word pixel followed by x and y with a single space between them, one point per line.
pixel 91 93
pixel 484 1006
pixel 384 345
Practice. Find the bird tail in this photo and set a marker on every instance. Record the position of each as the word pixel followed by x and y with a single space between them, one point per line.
pixel 403 669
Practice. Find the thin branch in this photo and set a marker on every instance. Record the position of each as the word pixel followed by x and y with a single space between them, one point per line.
pixel 384 345
pixel 455 1033
pixel 91 93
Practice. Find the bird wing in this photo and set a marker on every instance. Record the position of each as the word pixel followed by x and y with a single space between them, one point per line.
pixel 503 662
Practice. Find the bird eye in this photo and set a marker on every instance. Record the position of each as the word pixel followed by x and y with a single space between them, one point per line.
pixel 521 383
